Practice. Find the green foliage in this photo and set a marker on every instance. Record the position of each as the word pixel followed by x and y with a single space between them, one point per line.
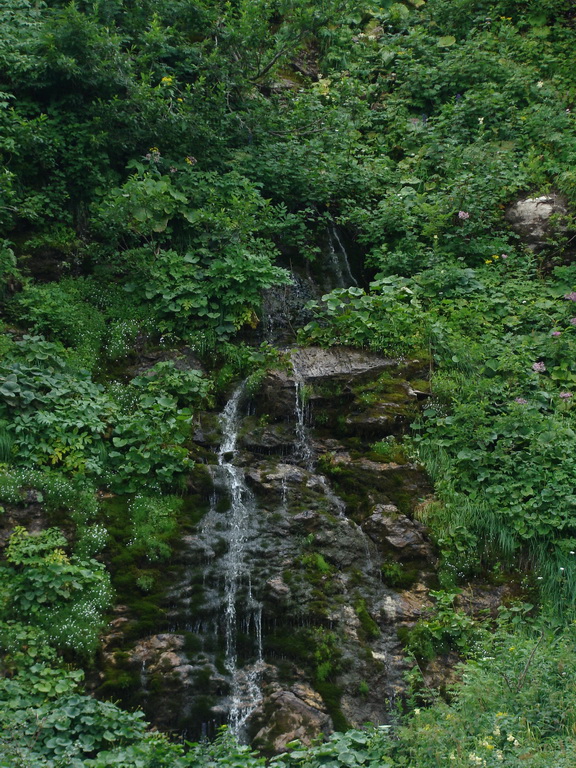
pixel 355 748
pixel 390 449
pixel 446 628
pixel 149 431
pixel 154 523
pixel 75 727
pixel 158 162
pixel 187 386
pixel 63 596
pixel 203 264
pixel 56 310
pixel 514 707
pixel 58 414
pixel 387 320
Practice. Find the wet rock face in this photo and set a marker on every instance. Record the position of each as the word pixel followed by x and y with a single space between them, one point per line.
pixel 332 375
pixel 184 359
pixel 531 219
pixel 284 308
pixel 286 715
pixel 329 504
pixel 337 364
pixel 390 529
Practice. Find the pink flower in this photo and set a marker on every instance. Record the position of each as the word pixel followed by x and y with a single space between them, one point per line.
pixel 521 401
pixel 565 395
pixel 573 321
pixel 556 333
pixel 463 215
pixel 570 296
pixel 539 367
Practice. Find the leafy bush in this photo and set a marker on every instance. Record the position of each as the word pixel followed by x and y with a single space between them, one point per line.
pixel 388 319
pixel 56 414
pixel 154 522
pixel 444 629
pixel 205 265
pixel 64 596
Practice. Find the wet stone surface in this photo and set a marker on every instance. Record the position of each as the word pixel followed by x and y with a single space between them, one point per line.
pixel 277 617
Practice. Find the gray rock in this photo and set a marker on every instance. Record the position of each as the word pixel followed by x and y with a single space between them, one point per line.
pixel 279 590
pixel 387 527
pixel 287 715
pixel 530 218
pixel 316 363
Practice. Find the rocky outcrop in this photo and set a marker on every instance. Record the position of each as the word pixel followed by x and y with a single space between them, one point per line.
pixel 184 359
pixel 334 563
pixel 330 376
pixel 316 364
pixel 286 715
pixel 392 530
pixel 532 219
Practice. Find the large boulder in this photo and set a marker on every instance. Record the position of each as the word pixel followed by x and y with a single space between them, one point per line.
pixel 390 529
pixel 531 218
pixel 286 715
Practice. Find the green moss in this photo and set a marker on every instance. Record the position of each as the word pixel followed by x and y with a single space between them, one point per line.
pixel 315 563
pixel 332 695
pixel 398 575
pixel 194 507
pixel 370 629
pixel 192 643
pixel 118 683
pixel 202 680
pixel 363 689
pixel 292 644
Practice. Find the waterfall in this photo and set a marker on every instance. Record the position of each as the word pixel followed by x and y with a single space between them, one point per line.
pixel 245 689
pixel 303 449
pixel 338 258
pixel 303 452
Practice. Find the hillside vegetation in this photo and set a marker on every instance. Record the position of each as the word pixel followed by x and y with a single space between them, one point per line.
pixel 162 164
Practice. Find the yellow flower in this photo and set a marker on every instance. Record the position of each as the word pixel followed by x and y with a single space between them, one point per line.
pixel 167 80
pixel 179 99
pixel 488 261
pixel 58 557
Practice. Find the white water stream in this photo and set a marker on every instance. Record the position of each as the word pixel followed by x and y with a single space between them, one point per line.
pixel 338 259
pixel 245 688
pixel 303 451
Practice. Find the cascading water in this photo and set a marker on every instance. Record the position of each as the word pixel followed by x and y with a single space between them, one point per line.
pixel 338 259
pixel 245 691
pixel 303 451
pixel 303 448
pixel 276 548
